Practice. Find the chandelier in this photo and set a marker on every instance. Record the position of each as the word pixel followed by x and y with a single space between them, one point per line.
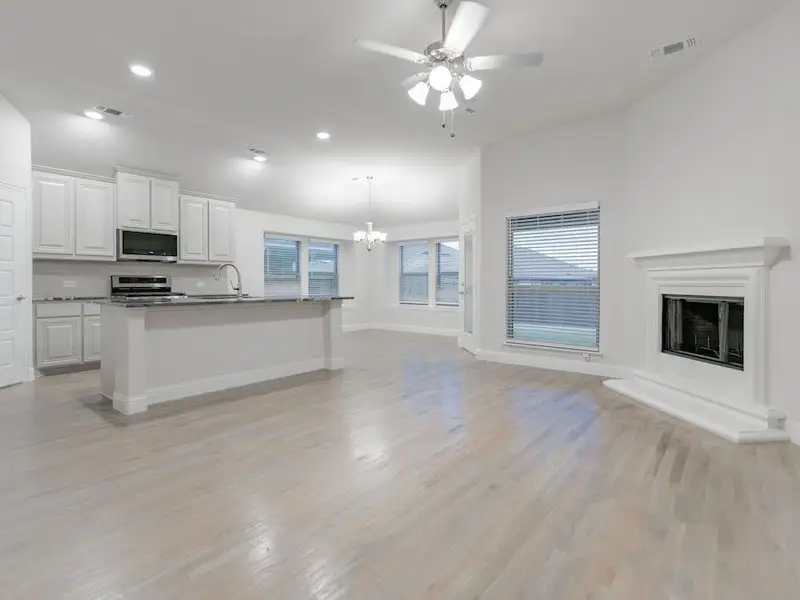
pixel 370 237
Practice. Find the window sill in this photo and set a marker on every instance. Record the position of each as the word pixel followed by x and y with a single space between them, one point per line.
pixel 427 307
pixel 554 349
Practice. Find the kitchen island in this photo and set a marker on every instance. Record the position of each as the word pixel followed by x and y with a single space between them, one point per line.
pixel 157 350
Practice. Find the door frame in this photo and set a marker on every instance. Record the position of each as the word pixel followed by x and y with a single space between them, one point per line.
pixel 468 341
pixel 25 327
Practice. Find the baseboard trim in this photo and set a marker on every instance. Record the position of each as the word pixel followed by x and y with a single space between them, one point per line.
pixel 553 363
pixel 402 328
pixel 234 380
pixel 727 423
pixel 128 405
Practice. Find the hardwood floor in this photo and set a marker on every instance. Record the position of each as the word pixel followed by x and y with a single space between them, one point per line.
pixel 417 473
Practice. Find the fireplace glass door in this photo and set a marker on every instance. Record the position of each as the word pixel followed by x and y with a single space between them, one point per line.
pixel 704 328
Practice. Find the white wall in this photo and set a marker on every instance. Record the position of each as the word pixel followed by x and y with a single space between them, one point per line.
pixel 560 167
pixel 713 158
pixel 709 158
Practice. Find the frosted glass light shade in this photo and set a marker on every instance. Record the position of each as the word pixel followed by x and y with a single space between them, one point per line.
pixel 448 101
pixel 419 93
pixel 440 78
pixel 470 86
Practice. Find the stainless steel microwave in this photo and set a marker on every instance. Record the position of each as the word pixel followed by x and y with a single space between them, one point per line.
pixel 146 245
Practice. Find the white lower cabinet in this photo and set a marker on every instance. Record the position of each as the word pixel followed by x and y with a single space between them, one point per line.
pixel 91 339
pixel 67 333
pixel 58 341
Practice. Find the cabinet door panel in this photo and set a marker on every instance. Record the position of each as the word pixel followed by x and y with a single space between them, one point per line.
pixel 221 238
pixel 91 339
pixel 53 210
pixel 58 341
pixel 194 229
pixel 133 201
pixel 164 206
pixel 94 218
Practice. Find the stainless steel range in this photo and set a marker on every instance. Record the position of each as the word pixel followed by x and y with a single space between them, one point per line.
pixel 143 287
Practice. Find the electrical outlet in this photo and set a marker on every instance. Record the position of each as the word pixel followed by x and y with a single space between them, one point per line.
pixel 201 284
pixel 70 283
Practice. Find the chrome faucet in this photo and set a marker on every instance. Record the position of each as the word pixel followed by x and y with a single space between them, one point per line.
pixel 238 286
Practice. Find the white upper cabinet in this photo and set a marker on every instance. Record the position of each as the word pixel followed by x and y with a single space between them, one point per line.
pixel 133 201
pixel 194 229
pixel 94 218
pixel 53 214
pixel 164 205
pixel 221 238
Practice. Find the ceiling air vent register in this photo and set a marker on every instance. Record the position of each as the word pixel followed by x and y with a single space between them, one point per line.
pixel 670 49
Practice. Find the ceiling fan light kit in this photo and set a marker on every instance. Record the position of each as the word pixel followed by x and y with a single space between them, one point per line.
pixel 447 67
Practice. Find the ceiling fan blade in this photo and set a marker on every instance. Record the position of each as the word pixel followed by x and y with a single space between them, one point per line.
pixel 410 82
pixel 503 61
pixel 469 19
pixel 460 98
pixel 390 50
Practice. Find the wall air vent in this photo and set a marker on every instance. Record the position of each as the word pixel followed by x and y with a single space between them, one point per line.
pixel 670 49
pixel 112 112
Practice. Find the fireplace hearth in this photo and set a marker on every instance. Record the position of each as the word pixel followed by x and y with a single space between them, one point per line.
pixel 704 328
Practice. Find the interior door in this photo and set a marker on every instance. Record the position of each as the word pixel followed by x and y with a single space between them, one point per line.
pixel 466 337
pixel 12 284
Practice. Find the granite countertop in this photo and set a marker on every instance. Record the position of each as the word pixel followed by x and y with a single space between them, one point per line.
pixel 201 301
pixel 69 299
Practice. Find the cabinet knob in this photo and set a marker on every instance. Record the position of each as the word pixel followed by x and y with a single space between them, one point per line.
pixel 20 298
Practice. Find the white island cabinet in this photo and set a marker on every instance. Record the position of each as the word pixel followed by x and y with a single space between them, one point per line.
pixel 161 350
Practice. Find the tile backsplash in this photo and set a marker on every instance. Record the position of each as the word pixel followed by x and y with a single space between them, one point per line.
pixel 63 278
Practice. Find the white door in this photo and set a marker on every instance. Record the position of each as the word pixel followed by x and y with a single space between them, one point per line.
pixel 133 201
pixel 12 284
pixel 194 229
pixel 466 337
pixel 94 218
pixel 164 205
pixel 91 339
pixel 220 231
pixel 58 341
pixel 53 210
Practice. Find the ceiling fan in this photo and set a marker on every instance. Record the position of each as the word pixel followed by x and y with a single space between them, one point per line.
pixel 447 70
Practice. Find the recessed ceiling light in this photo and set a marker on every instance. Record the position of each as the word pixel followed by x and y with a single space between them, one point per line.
pixel 93 114
pixel 323 135
pixel 260 158
pixel 141 70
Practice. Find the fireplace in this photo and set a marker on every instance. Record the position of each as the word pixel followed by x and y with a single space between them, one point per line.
pixel 704 328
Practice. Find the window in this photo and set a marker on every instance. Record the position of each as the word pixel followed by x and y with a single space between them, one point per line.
pixel 414 273
pixel 553 284
pixel 447 281
pixel 281 267
pixel 323 269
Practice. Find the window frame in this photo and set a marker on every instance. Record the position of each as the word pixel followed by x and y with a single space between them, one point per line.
pixel 303 277
pixel 555 210
pixel 400 246
pixel 337 278
pixel 436 244
pixel 432 243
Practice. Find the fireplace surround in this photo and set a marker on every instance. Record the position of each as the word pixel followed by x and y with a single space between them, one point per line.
pixel 711 368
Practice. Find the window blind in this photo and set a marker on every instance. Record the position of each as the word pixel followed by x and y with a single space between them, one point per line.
pixel 447 281
pixel 414 273
pixel 553 283
pixel 281 267
pixel 323 269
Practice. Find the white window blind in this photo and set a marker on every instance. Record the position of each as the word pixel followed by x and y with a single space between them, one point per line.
pixel 447 273
pixel 414 273
pixel 552 268
pixel 323 269
pixel 281 267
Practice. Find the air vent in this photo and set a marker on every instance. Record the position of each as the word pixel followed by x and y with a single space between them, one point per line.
pixel 113 112
pixel 675 48
pixel 258 152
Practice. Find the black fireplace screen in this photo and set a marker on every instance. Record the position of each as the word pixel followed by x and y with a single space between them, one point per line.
pixel 704 328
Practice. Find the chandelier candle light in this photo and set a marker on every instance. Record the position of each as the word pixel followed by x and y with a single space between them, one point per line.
pixel 370 237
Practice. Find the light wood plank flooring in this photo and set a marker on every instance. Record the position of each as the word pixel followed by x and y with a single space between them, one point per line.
pixel 418 473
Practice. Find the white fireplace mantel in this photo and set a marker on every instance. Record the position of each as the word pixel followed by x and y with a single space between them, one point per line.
pixel 759 253
pixel 731 403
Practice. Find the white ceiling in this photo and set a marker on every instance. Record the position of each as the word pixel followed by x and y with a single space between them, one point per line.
pixel 239 73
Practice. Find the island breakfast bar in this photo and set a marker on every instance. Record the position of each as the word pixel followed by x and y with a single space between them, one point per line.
pixel 156 350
